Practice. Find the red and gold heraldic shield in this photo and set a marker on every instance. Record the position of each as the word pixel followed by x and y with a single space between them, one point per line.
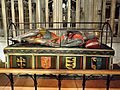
pixel 45 62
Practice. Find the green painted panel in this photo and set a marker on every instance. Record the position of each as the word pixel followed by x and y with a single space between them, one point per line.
pixel 20 61
pixel 71 62
pixel 45 62
pixel 96 62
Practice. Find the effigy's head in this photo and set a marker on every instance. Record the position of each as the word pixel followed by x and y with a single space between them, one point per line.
pixel 92 35
pixel 97 34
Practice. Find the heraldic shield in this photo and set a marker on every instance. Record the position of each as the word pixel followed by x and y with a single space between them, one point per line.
pixel 70 62
pixel 45 62
pixel 21 62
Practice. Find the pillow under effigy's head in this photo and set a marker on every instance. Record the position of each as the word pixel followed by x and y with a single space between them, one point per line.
pixel 92 43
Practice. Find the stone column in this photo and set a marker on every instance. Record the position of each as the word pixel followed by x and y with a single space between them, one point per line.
pixel 13 16
pixel 112 14
pixel 4 18
pixel 47 13
pixel 38 15
pixel 30 13
pixel 119 23
pixel 69 12
pixel 21 14
pixel 77 12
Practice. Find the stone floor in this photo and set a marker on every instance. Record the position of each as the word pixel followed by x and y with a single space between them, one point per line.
pixel 26 83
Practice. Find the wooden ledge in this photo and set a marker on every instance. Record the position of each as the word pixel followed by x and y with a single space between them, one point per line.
pixel 57 71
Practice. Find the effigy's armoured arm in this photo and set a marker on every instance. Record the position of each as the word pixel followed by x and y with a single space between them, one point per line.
pixel 72 42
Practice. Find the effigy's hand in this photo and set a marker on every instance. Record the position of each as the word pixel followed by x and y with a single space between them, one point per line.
pixel 72 42
pixel 54 39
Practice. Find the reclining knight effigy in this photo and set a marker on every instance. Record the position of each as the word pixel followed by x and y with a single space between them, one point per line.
pixel 68 39
pixel 71 49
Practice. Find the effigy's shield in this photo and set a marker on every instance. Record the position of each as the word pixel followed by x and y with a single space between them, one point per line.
pixel 21 62
pixel 70 62
pixel 45 62
pixel 94 63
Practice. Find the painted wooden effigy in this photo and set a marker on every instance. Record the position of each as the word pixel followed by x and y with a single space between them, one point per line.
pixel 45 50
